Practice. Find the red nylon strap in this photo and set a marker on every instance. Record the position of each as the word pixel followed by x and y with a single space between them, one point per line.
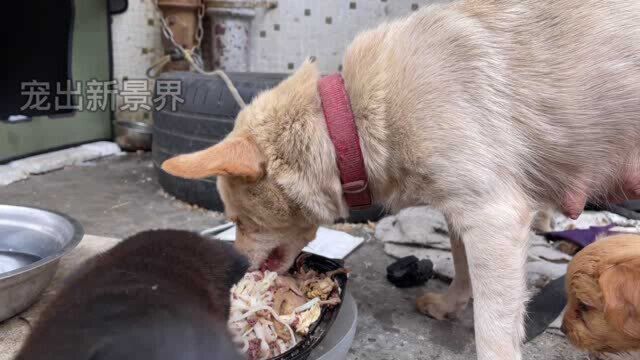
pixel 344 135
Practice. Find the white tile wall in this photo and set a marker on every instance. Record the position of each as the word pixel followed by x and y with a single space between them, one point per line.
pixel 282 38
pixel 136 40
pixel 136 45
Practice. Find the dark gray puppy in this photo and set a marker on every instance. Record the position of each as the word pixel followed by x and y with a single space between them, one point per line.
pixel 160 294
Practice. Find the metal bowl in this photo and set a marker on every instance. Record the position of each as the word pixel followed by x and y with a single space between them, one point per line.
pixel 32 241
pixel 133 135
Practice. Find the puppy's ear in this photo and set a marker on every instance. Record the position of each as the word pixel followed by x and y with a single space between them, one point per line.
pixel 621 292
pixel 586 289
pixel 235 156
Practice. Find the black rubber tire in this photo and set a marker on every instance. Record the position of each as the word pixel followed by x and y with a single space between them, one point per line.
pixel 204 118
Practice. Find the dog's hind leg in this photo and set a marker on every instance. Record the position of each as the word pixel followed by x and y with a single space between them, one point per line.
pixel 495 233
pixel 450 304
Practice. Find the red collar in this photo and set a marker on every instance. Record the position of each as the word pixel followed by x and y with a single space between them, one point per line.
pixel 344 135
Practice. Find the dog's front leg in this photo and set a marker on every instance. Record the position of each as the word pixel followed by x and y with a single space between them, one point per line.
pixel 450 304
pixel 495 236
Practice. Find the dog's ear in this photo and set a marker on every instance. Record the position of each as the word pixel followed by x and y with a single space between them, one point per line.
pixel 586 289
pixel 235 156
pixel 621 293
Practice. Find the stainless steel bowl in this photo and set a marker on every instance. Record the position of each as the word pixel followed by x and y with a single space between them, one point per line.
pixel 133 135
pixel 32 241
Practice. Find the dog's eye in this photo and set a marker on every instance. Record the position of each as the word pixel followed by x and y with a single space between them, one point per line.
pixel 584 307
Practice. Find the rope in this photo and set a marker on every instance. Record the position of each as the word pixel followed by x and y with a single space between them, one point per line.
pixel 189 56
pixel 156 68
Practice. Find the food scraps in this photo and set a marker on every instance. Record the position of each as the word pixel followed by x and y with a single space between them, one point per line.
pixel 271 313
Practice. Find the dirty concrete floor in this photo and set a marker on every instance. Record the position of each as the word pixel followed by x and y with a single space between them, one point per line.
pixel 119 196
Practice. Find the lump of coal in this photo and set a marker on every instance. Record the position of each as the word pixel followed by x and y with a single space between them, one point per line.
pixel 409 271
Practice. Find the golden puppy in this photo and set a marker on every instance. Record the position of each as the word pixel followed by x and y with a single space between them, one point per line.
pixel 603 286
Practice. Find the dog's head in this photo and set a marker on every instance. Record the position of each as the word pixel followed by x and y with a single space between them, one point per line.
pixel 603 286
pixel 274 175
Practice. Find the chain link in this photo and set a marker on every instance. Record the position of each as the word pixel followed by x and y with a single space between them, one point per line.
pixel 199 34
pixel 168 33
pixel 166 29
pixel 200 30
pixel 192 56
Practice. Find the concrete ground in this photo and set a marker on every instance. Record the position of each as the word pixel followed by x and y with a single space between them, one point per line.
pixel 119 196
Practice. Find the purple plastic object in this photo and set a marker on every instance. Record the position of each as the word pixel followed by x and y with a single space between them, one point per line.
pixel 581 237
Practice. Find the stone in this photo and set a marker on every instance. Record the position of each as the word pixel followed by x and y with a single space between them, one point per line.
pixel 39 164
pixel 423 226
pixel 409 271
pixel 10 175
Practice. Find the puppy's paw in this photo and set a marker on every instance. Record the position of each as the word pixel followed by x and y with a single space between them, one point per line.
pixel 440 306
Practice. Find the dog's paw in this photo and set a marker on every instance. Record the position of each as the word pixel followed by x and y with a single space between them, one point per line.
pixel 439 306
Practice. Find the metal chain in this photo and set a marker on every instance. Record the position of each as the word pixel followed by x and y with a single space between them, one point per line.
pixel 191 55
pixel 168 33
pixel 166 29
pixel 200 30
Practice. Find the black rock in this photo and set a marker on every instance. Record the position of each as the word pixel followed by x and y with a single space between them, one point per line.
pixel 410 271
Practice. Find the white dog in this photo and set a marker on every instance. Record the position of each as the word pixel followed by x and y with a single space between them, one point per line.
pixel 488 110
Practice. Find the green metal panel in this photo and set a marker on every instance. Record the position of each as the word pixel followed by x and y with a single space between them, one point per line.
pixel 90 60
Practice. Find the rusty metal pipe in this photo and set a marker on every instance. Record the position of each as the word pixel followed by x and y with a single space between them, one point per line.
pixel 182 18
pixel 230 22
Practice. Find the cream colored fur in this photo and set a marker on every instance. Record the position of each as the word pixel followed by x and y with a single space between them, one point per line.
pixel 488 110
